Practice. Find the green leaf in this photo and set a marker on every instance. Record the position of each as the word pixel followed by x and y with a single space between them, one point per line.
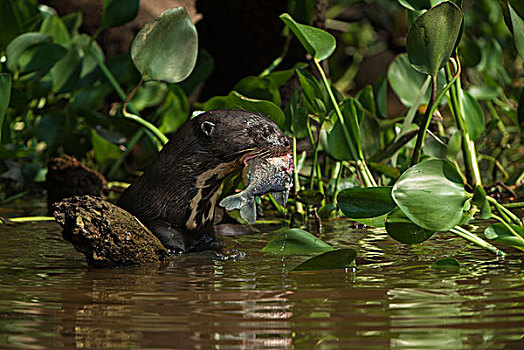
pixel 150 94
pixel 66 72
pixel 500 233
pixel 449 264
pixel 258 88
pixel 236 101
pixel 166 48
pixel 175 110
pixel 312 197
pixel 5 96
pixel 432 195
pixel 433 36
pixel 31 52
pixel 380 94
pixel 17 17
pixel 485 92
pixel 55 27
pixel 418 5
pixel 337 143
pixel 295 241
pixel 404 80
pixel 518 30
pixel 318 43
pixel 367 202
pixel 203 69
pixel 311 89
pixel 336 259
pixel 118 12
pixel 481 201
pixel 105 151
pixel 474 115
pixel 402 229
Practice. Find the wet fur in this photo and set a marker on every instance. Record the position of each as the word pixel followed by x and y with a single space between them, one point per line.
pixel 190 169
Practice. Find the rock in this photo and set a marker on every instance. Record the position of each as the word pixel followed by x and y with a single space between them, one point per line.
pixel 107 235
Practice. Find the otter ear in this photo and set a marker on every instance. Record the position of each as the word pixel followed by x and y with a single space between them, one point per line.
pixel 207 127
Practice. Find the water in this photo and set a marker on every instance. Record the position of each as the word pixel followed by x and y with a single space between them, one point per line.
pixel 50 299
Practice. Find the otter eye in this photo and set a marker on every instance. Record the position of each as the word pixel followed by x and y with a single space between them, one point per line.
pixel 266 132
pixel 207 127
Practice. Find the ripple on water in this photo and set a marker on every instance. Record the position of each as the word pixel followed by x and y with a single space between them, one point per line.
pixel 50 299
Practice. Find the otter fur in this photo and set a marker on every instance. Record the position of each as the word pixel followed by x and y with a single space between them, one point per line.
pixel 176 195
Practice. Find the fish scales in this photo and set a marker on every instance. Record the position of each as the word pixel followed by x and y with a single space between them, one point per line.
pixel 262 175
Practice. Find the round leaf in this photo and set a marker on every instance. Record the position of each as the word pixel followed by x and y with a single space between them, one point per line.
pixel 318 43
pixel 336 259
pixel 259 88
pixel 400 228
pixel 367 202
pixel 404 80
pixel 295 241
pixel 166 49
pixel 432 195
pixel 432 38
pixel 518 30
pixel 30 52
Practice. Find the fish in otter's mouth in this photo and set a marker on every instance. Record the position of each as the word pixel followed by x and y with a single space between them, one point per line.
pixel 262 175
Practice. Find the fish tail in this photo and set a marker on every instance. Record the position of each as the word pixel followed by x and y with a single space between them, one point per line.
pixel 235 201
pixel 281 197
pixel 249 212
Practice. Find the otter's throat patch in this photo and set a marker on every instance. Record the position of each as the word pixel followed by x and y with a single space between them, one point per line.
pixel 220 171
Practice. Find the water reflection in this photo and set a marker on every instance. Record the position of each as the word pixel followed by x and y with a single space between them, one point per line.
pixel 49 298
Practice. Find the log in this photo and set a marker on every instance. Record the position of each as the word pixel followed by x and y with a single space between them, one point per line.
pixel 107 235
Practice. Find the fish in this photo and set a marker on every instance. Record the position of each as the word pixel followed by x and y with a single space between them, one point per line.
pixel 261 176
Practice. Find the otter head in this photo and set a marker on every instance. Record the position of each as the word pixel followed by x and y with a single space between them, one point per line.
pixel 239 135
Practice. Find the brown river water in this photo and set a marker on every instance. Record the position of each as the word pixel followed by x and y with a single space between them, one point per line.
pixel 50 298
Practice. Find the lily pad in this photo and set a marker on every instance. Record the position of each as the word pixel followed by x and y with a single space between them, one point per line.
pixel 166 49
pixel 336 259
pixel 295 241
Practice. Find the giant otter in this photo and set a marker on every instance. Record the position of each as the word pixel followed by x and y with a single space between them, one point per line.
pixel 176 196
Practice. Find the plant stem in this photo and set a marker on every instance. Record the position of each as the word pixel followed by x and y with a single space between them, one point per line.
pixel 31 219
pixel 468 146
pixel 426 121
pixel 299 206
pixel 504 211
pixel 368 179
pixel 459 231
pixel 508 226
pixel 277 60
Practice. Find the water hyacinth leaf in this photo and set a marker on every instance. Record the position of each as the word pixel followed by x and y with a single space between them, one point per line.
pixel 295 241
pixel 318 43
pixel 432 195
pixel 380 94
pixel 335 259
pixel 480 200
pixel 203 69
pixel 310 87
pixel 5 96
pixel 237 101
pixel 31 52
pixel 73 21
pixel 418 5
pixel 337 142
pixel 474 115
pixel 55 27
pixel 175 110
pixel 500 233
pixel 518 30
pixel 448 264
pixel 404 80
pixel 118 12
pixel 367 202
pixel 166 49
pixel 312 197
pixel 258 88
pixel 454 145
pixel 27 15
pixel 485 92
pixel 402 229
pixel 105 151
pixel 66 72
pixel 433 36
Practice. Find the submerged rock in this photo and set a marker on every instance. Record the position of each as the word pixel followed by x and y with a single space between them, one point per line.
pixel 107 235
